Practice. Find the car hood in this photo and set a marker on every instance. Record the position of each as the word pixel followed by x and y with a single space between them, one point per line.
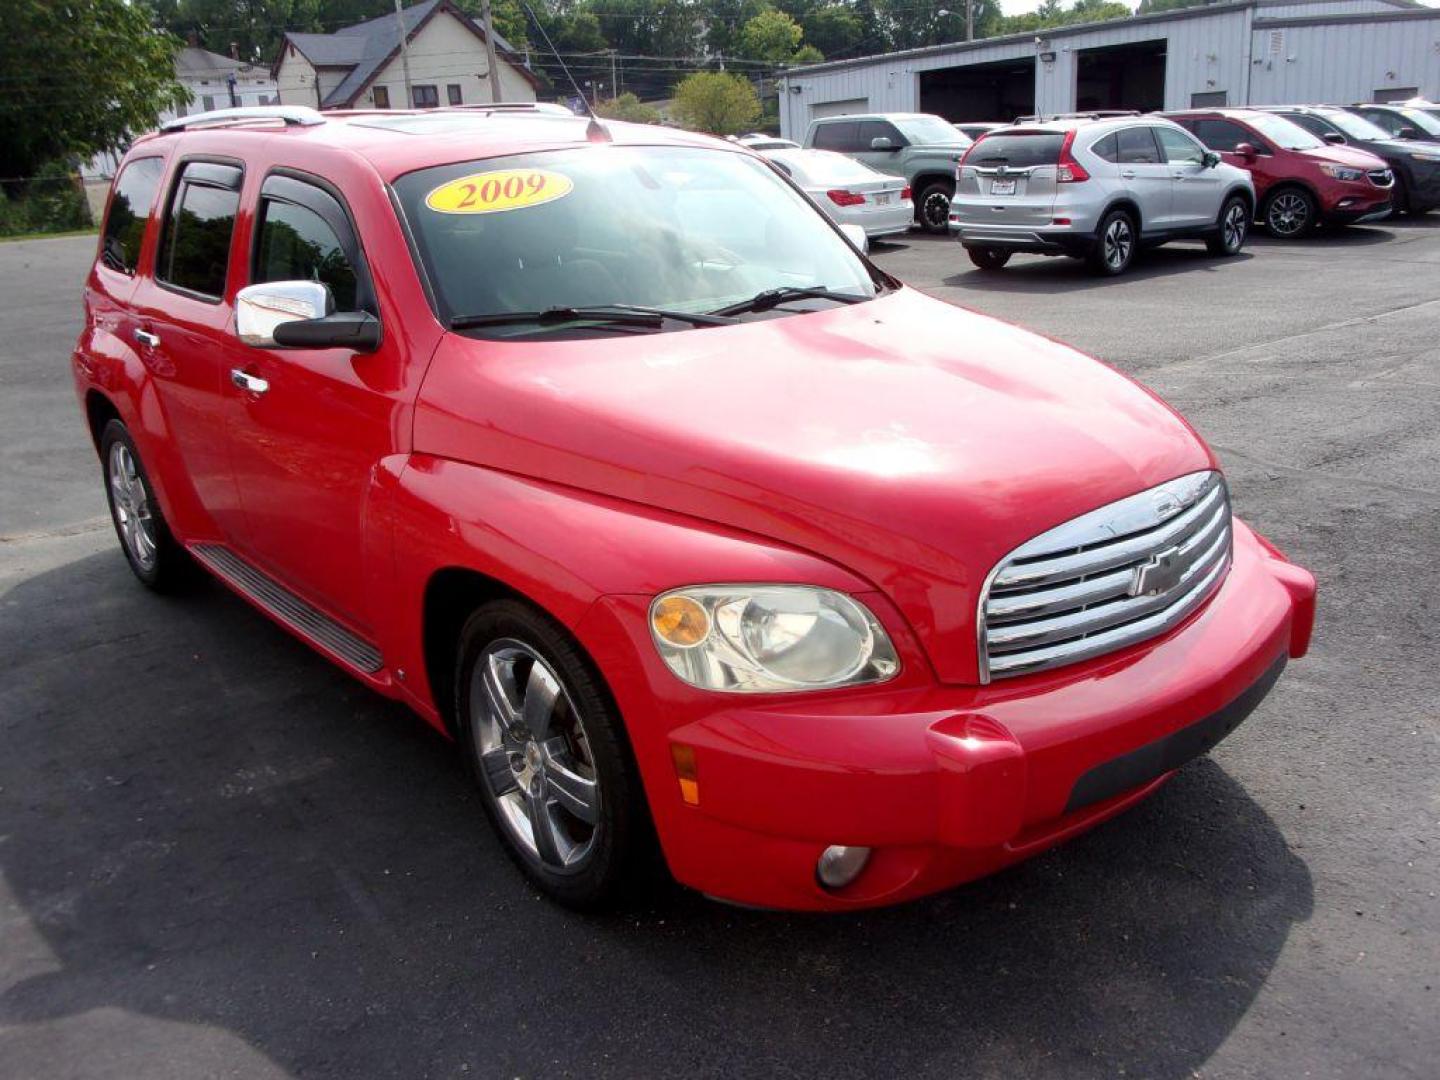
pixel 1345 155
pixel 912 442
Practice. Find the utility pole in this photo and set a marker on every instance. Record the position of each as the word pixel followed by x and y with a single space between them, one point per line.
pixel 969 20
pixel 614 86
pixel 404 56
pixel 490 51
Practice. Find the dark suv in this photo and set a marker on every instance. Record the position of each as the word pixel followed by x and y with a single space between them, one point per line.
pixel 1402 121
pixel 1416 165
pixel 1300 180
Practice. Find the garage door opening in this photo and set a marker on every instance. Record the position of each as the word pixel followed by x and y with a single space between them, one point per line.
pixel 996 91
pixel 1121 77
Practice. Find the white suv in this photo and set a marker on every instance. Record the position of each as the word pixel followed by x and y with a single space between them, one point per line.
pixel 1096 189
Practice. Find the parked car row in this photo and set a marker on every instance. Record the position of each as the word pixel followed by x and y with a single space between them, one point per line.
pixel 1103 185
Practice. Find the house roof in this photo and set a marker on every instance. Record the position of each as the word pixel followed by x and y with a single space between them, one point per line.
pixel 192 62
pixel 367 47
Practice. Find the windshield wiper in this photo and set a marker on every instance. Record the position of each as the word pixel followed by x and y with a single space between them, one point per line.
pixel 769 298
pixel 614 314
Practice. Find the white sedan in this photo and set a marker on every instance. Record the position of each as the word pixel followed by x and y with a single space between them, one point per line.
pixel 849 191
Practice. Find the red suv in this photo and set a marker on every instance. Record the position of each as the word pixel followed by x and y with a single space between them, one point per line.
pixel 1300 180
pixel 603 449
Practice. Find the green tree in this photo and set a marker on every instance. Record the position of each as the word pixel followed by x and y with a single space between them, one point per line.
pixel 81 76
pixel 772 36
pixel 630 108
pixel 835 29
pixel 717 102
pixel 807 54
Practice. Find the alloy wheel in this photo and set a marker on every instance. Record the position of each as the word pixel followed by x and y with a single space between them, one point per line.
pixel 1289 213
pixel 1118 242
pixel 1235 226
pixel 534 755
pixel 130 504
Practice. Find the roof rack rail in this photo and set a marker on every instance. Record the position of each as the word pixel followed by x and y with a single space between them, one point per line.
pixel 548 107
pixel 1091 114
pixel 301 115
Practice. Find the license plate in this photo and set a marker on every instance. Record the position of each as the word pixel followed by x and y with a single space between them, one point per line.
pixel 882 198
pixel 1002 187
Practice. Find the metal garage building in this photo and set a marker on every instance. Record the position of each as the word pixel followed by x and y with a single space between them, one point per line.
pixel 1258 52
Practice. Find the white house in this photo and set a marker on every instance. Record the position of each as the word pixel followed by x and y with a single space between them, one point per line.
pixel 211 81
pixel 361 67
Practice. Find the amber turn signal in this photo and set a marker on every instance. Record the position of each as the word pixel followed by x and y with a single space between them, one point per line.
pixel 684 758
pixel 680 621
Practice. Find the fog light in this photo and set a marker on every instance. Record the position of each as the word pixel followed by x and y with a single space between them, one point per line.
pixel 1344 203
pixel 839 866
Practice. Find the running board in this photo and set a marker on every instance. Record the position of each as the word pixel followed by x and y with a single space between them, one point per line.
pixel 303 618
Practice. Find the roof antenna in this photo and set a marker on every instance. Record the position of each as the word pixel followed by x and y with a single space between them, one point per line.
pixel 595 131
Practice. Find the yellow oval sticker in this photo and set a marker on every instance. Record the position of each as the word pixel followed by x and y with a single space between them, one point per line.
pixel 504 189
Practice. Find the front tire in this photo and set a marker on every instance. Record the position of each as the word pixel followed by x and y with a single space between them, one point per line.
pixel 154 555
pixel 932 209
pixel 1233 226
pixel 1290 213
pixel 988 258
pixel 1115 244
pixel 548 751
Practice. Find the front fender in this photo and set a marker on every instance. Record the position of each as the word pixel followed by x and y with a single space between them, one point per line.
pixel 560 547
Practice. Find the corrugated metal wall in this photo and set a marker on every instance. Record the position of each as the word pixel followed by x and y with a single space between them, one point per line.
pixel 1207 52
pixel 1344 63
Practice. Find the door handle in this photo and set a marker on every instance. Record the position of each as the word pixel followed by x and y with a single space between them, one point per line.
pixel 146 338
pixel 1127 174
pixel 251 384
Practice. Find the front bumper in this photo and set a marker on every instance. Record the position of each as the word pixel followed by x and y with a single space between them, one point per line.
pixel 1357 209
pixel 945 783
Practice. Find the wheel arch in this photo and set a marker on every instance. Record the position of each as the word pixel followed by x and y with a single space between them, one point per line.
pixel 1130 206
pixel 99 411
pixel 1291 184
pixel 1244 193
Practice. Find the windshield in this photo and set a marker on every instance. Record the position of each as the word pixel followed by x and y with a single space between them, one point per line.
pixel 1357 127
pixel 1283 133
pixel 1422 120
pixel 930 129
pixel 679 228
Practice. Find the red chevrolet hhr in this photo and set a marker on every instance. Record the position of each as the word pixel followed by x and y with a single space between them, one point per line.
pixel 608 453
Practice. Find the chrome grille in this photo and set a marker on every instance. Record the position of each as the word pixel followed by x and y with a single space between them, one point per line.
pixel 1107 579
pixel 1381 177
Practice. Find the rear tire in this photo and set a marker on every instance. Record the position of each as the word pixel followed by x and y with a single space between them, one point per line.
pixel 1232 227
pixel 988 258
pixel 1115 244
pixel 1290 213
pixel 932 209
pixel 555 773
pixel 154 555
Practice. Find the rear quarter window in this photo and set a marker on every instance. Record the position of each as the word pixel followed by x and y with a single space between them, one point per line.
pixel 1020 150
pixel 130 209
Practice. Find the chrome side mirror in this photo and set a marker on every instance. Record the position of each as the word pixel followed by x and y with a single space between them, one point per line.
pixel 259 309
pixel 882 142
pixel 856 235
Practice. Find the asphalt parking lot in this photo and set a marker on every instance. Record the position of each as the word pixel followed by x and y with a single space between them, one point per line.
pixel 220 857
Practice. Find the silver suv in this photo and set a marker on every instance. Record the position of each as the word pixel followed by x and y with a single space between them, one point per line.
pixel 1096 189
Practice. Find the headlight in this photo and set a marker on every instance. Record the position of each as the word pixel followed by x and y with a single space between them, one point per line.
pixel 768 638
pixel 1343 172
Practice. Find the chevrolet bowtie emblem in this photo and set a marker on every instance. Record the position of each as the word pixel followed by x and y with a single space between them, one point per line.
pixel 1158 574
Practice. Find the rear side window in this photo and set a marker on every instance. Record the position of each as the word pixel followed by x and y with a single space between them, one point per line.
pixel 1107 149
pixel 1018 151
pixel 1222 134
pixel 1137 146
pixel 130 208
pixel 305 236
pixel 195 249
pixel 841 137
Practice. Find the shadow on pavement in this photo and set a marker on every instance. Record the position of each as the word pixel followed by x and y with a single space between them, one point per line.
pixel 1038 273
pixel 206 824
